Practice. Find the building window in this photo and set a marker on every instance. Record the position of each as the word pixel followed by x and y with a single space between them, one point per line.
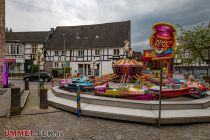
pixel 62 65
pixel 85 37
pixel 18 49
pixel 77 36
pixel 55 64
pixel 80 52
pixel 71 53
pixel 116 51
pixel 97 52
pixel 56 52
pixel 12 51
pixel 202 72
pixel 12 66
pixel 34 48
pixel 80 68
pixel 63 52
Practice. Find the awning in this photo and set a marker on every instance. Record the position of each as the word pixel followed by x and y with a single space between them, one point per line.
pixel 9 60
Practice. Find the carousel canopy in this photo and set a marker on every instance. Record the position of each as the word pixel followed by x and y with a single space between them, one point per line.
pixel 127 66
pixel 128 62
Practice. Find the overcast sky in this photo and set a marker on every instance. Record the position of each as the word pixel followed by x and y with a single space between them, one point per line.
pixel 38 15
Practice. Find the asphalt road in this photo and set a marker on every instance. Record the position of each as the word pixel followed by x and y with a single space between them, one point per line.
pixel 89 128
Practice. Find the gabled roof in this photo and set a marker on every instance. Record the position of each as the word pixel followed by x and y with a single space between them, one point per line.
pixel 107 35
pixel 26 37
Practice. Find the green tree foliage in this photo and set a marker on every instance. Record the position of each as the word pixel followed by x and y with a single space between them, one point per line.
pixel 35 68
pixel 55 72
pixel 194 44
pixel 67 70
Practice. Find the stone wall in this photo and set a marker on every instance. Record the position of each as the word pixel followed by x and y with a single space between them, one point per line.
pixel 2 29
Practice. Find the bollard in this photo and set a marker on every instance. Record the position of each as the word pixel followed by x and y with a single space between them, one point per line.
pixel 78 101
pixel 43 98
pixel 41 84
pixel 15 108
pixel 26 84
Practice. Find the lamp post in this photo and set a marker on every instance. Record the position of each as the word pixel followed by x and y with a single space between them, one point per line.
pixel 38 54
pixel 64 49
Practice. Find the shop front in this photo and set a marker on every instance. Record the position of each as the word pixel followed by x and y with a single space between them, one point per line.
pixel 87 69
pixel 15 67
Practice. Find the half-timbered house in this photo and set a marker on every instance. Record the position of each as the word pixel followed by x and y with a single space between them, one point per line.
pixel 81 46
pixel 21 50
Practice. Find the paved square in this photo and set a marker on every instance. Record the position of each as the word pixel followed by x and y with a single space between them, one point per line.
pixel 87 128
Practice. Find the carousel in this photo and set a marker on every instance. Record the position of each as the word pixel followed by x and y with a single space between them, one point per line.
pixel 125 84
pixel 128 69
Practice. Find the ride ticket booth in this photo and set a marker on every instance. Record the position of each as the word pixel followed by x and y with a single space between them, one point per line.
pixel 153 66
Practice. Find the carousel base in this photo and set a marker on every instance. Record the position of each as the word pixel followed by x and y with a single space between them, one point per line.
pixel 173 112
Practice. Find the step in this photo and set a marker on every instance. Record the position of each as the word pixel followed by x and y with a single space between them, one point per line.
pixel 137 104
pixel 131 114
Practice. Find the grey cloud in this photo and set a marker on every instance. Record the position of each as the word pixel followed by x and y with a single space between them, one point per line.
pixel 143 14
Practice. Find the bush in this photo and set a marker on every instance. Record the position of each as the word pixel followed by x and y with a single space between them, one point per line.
pixel 55 73
pixel 35 68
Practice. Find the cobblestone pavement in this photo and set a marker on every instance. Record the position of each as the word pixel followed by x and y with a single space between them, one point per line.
pixel 88 128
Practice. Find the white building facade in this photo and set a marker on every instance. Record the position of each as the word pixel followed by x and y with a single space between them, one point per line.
pixel 81 60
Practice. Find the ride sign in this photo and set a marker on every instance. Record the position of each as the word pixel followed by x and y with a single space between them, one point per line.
pixel 163 41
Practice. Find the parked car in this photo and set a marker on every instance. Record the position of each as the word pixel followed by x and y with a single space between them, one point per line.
pixel 45 76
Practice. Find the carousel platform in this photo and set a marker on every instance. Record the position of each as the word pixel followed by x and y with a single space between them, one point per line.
pixel 183 110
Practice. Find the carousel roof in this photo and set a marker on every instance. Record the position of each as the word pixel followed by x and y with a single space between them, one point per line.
pixel 128 62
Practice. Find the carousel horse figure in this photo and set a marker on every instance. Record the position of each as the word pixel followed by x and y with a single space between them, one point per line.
pixel 128 49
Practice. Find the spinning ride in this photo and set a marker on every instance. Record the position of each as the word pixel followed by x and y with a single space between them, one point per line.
pixel 127 70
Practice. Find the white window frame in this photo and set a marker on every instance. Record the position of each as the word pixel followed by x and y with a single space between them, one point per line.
pixel 80 53
pixel 116 51
pixel 63 52
pixel 17 49
pixel 56 53
pixel 34 48
pixel 12 49
pixel 97 52
pixel 56 65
